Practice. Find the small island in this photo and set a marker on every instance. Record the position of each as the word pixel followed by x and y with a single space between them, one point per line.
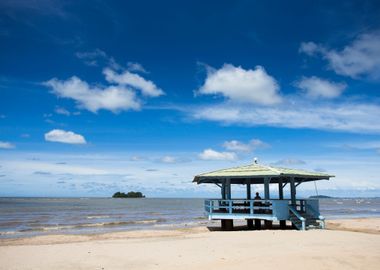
pixel 320 197
pixel 130 194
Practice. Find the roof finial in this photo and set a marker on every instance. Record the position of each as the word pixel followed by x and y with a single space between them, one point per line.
pixel 255 160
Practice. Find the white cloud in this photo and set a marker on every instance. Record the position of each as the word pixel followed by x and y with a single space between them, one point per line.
pixel 238 146
pixel 137 67
pixel 210 154
pixel 62 136
pixel 240 85
pixel 91 58
pixel 94 98
pixel 148 88
pixel 309 48
pixel 351 117
pixel 364 145
pixel 361 58
pixel 316 87
pixel 290 161
pixel 168 159
pixel 6 145
pixel 63 111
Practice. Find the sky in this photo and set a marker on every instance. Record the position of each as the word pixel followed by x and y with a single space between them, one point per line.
pixel 105 96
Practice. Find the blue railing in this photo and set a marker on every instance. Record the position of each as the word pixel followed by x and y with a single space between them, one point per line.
pixel 261 209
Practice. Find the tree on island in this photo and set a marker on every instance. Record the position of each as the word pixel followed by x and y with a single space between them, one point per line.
pixel 130 194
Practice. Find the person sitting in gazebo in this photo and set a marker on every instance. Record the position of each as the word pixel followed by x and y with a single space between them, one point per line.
pixel 257 198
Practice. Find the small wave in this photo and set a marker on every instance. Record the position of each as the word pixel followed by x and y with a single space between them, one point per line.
pixel 97 217
pixel 8 233
pixel 93 225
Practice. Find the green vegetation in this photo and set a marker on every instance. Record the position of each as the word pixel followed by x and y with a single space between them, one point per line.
pixel 320 197
pixel 130 194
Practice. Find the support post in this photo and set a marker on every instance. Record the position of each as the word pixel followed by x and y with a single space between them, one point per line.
pixel 280 190
pixel 249 196
pixel 281 197
pixel 250 223
pixel 268 223
pixel 228 189
pixel 266 188
pixel 227 224
pixel 223 190
pixel 293 191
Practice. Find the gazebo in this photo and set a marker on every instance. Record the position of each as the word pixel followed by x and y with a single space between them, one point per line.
pixel 302 213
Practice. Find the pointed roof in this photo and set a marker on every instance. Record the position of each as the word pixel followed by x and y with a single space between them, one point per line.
pixel 255 174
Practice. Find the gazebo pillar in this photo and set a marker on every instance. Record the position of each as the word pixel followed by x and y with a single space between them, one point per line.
pixel 268 223
pixel 293 191
pixel 281 197
pixel 249 197
pixel 227 224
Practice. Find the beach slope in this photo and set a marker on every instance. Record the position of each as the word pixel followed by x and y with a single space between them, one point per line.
pixel 199 248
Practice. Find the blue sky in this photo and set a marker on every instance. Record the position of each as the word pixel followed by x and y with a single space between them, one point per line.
pixel 142 95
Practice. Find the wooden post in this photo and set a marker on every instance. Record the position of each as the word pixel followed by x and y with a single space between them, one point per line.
pixel 293 191
pixel 249 197
pixel 266 188
pixel 280 190
pixel 227 224
pixel 228 189
pixel 268 223
pixel 223 190
pixel 257 224
pixel 250 223
pixel 281 197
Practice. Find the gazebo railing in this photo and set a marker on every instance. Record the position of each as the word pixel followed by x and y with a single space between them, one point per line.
pixel 243 208
pixel 261 209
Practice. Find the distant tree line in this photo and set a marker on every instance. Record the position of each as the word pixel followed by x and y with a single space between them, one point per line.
pixel 130 194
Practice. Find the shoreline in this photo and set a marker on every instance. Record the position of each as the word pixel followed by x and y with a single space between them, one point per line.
pixel 368 225
pixel 341 246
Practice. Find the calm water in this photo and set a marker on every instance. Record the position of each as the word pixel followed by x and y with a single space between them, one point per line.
pixel 20 217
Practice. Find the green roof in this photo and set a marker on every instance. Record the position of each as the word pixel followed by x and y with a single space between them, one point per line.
pixel 255 173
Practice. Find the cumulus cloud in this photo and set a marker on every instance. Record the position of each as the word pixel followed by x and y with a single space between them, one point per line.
pixel 316 87
pixel 210 154
pixel 94 98
pixel 147 88
pixel 6 145
pixel 62 136
pixel 238 146
pixel 120 94
pixel 360 58
pixel 253 86
pixel 351 117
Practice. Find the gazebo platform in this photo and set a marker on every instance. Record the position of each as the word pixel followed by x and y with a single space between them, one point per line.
pixel 303 214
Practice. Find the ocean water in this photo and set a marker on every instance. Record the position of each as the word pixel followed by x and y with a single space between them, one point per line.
pixel 23 217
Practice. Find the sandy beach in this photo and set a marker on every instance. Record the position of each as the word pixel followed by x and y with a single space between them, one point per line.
pixel 346 244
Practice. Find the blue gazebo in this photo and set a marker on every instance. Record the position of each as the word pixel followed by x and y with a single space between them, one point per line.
pixel 302 213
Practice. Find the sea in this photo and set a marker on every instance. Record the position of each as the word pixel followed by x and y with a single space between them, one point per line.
pixel 25 217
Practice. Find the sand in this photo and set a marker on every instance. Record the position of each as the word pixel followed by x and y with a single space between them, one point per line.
pixel 346 244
